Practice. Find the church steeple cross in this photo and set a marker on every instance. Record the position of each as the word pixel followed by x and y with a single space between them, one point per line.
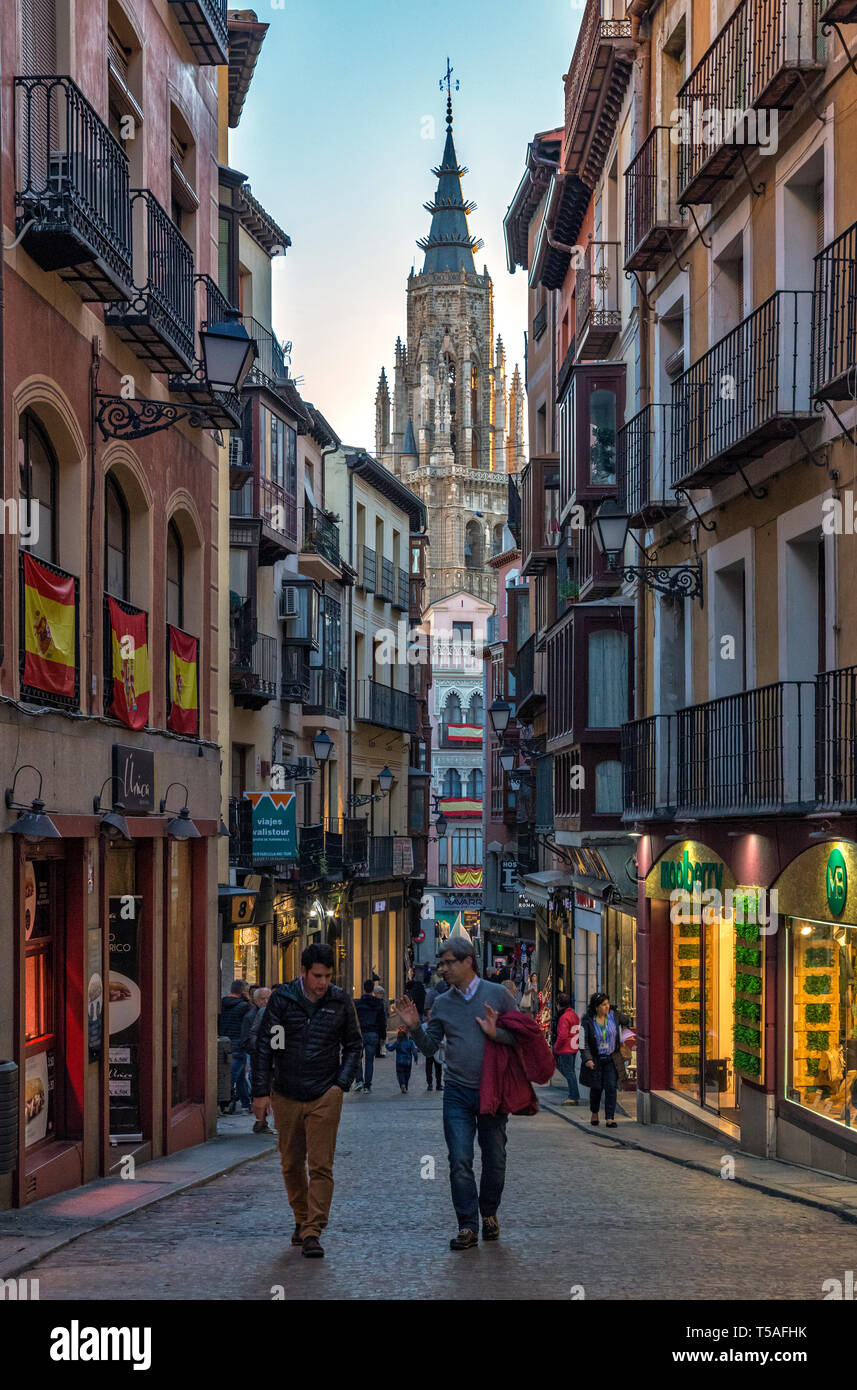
pixel 446 81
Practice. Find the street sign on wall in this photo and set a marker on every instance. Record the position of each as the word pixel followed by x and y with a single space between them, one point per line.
pixel 275 833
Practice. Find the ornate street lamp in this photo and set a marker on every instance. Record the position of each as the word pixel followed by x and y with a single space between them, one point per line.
pixel 180 827
pixel 498 713
pixel 228 353
pixel 611 531
pixel 32 823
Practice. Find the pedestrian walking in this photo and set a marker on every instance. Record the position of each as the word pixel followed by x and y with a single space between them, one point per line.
pixel 602 1065
pixel 372 1017
pixel 306 1058
pixel 567 1046
pixel 464 1017
pixel 249 1039
pixel 406 1055
pixel 434 1065
pixel 416 990
pixel 382 1036
pixel 234 1008
pixel 510 985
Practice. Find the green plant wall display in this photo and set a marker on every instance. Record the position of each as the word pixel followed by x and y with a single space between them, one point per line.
pixel 748 984
pixel 748 1008
pixel 744 1061
pixel 816 957
pixel 816 984
pixel 688 1039
pixel 748 955
pixel 687 1016
pixel 688 953
pixel 812 1066
pixel 817 1013
pixel 688 972
pixel 688 996
pixel 817 1042
pixel 750 1037
pixel 688 929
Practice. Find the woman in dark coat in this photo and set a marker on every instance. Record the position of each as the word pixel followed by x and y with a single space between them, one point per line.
pixel 602 1067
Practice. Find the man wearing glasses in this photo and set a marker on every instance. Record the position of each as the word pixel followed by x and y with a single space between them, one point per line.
pixel 462 1018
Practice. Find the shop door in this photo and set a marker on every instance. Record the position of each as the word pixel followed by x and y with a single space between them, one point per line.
pixel 43 930
pixel 717 1015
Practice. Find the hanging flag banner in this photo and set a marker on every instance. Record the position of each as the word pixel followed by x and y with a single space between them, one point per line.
pixel 50 629
pixel 466 877
pixel 464 733
pixel 130 641
pixel 275 830
pixel 461 805
pixel 183 717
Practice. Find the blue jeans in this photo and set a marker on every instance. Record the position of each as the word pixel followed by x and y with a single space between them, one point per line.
pixel 370 1043
pixel 566 1063
pixel 462 1123
pixel 238 1074
pixel 403 1074
pixel 605 1079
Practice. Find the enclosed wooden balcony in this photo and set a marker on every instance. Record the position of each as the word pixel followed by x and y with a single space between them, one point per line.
pixel 540 512
pixel 748 393
pixel 653 223
pixel 834 329
pixel 758 63
pixel 643 466
pixel 594 88
pixel 72 194
pixel 158 321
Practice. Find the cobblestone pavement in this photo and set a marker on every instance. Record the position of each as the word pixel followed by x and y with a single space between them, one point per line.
pixel 578 1210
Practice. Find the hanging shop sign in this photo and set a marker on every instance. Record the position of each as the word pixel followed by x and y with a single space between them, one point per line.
pixel 508 875
pixel 473 900
pixel 819 883
pixel 134 769
pixel 403 856
pixel 275 832
pixel 124 1008
pixel 685 865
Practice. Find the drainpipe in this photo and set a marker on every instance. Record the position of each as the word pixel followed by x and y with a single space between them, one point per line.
pixel 2 371
pixel 645 380
pixel 352 678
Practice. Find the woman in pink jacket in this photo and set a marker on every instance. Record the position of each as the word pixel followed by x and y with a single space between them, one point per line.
pixel 566 1046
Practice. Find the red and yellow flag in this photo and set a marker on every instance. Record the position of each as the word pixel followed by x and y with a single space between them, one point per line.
pixel 131 685
pixel 184 682
pixel 461 805
pixel 466 877
pixel 50 636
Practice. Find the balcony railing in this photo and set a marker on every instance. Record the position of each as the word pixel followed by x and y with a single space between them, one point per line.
pixel 295 677
pixel 653 223
pixel 402 600
pixel 747 391
pixel 598 318
pixel 326 693
pixel 462 655
pixel 387 587
pixel 321 535
pixel 240 833
pixel 525 672
pixel 648 770
pixel 754 64
pixel 252 663
pixel 836 738
pixel 386 707
pixel 225 409
pixel 834 329
pixel 72 192
pixel 381 856
pixel 368 569
pixel 269 369
pixel 158 322
pixel 37 667
pixel 642 465
pixel 204 25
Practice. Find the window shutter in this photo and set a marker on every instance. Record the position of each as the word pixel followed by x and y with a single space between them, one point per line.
pixel 819 215
pixel 38 38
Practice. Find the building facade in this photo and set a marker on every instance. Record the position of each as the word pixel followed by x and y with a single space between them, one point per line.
pixel 450 424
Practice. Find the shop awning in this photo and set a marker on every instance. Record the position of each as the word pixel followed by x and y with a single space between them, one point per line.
pixel 540 887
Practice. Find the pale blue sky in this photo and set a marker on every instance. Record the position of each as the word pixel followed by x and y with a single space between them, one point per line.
pixel 331 141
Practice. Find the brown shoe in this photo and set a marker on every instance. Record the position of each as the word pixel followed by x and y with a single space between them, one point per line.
pixel 312 1248
pixel 490 1228
pixel 465 1240
pixel 296 1235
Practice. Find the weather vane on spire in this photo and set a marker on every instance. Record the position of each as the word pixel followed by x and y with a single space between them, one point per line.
pixel 446 80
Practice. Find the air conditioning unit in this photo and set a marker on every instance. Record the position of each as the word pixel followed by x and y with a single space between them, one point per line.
pixel 306 769
pixel 289 602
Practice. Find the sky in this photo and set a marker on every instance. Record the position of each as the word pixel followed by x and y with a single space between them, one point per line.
pixel 332 139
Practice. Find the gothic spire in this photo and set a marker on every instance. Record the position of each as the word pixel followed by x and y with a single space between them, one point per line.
pixel 449 245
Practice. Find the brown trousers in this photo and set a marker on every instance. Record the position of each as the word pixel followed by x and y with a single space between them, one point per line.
pixel 306 1132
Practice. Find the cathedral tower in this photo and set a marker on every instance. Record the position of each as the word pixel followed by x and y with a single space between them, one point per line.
pixel 453 430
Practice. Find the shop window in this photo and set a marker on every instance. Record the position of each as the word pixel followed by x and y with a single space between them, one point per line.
pixel 179 971
pixel 823 1011
pixel 703 1012
pixel 452 782
pixel 115 540
pixel 42 895
pixel 175 576
pixel 38 486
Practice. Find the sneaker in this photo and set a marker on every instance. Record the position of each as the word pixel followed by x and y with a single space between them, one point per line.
pixel 313 1248
pixel 367 1090
pixel 404 1090
pixel 262 1127
pixel 359 1086
pixel 296 1235
pixel 490 1228
pixel 465 1240
pixel 428 1088
pixel 571 1102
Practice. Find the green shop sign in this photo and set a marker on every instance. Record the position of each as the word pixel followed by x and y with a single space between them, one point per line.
pixel 837 882
pixel 684 873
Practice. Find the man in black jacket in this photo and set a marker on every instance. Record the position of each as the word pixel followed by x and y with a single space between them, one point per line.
pixel 306 1057
pixel 373 1025
pixel 234 1007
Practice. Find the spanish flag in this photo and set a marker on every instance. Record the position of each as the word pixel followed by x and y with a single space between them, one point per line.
pixel 466 877
pixel 461 805
pixel 184 687
pixel 464 733
pixel 131 685
pixel 50 629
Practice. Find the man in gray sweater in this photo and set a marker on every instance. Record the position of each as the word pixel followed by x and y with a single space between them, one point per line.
pixel 463 1018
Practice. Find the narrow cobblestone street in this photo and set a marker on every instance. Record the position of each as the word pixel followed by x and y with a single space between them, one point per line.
pixel 578 1210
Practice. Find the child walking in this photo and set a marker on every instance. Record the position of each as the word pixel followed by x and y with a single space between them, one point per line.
pixel 406 1051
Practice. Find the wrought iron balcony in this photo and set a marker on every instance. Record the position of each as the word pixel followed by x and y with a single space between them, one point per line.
pixel 648 769
pixel 594 89
pixel 158 321
pixel 386 707
pixel 72 194
pixel 838 11
pixel 402 601
pixel 204 25
pixel 240 833
pixel 269 369
pixel 192 388
pixel 758 62
pixel 387 587
pixel 642 466
pixel 653 223
pixel 834 328
pixel 321 536
pixel 368 569
pixel 273 512
pixel 326 692
pixel 41 639
pixel 295 679
pixel 836 739
pixel 747 393
pixel 252 663
pixel 598 317
pixel 240 462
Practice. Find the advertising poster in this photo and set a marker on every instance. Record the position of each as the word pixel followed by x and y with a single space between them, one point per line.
pixel 95 997
pixel 39 1098
pixel 124 1007
pixel 275 833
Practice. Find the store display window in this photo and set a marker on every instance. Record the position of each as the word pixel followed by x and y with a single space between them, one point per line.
pixel 822 1055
